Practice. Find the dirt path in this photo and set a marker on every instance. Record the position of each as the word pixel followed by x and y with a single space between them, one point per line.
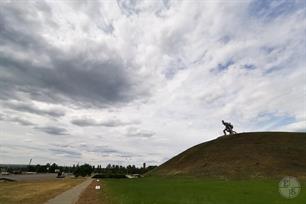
pixel 71 196
pixel 91 195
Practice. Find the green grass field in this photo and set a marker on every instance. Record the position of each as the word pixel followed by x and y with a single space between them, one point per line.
pixel 156 190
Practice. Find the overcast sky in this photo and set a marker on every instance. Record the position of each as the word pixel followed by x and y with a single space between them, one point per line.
pixel 140 81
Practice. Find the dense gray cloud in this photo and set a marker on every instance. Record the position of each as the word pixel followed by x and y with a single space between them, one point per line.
pixel 78 80
pixel 76 150
pixel 84 122
pixel 136 132
pixel 101 149
pixel 91 75
pixel 53 130
pixel 30 108
pixel 66 153
pixel 15 119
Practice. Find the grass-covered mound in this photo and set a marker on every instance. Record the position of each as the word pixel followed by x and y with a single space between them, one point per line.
pixel 245 155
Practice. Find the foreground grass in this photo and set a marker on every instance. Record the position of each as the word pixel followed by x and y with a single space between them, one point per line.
pixel 34 192
pixel 193 191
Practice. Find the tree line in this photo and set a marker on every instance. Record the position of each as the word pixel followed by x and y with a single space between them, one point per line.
pixel 81 170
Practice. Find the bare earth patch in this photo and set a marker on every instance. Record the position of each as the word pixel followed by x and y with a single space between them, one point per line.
pixel 90 195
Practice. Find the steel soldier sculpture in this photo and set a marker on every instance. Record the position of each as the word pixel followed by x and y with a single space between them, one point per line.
pixel 228 128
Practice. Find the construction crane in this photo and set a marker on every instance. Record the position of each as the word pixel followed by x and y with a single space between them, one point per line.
pixel 30 162
pixel 29 166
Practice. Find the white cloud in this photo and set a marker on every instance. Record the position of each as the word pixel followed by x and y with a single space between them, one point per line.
pixel 146 79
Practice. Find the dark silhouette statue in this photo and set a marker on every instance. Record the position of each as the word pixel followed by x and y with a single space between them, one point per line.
pixel 228 128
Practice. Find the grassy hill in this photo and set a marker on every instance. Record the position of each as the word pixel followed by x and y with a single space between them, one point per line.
pixel 244 155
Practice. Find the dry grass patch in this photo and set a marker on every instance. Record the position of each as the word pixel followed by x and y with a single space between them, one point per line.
pixel 34 192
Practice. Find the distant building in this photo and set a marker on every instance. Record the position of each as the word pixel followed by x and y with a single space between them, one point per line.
pixel 132 176
pixel 4 173
pixel 144 165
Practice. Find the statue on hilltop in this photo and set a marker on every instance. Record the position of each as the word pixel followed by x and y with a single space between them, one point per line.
pixel 228 128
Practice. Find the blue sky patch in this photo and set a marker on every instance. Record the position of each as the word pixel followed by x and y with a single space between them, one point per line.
pixel 271 121
pixel 267 49
pixel 250 66
pixel 225 65
pixel 225 39
pixel 271 9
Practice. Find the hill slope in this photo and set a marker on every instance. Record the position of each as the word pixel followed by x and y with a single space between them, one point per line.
pixel 258 154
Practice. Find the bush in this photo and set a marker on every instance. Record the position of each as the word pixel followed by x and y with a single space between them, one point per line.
pixel 83 170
